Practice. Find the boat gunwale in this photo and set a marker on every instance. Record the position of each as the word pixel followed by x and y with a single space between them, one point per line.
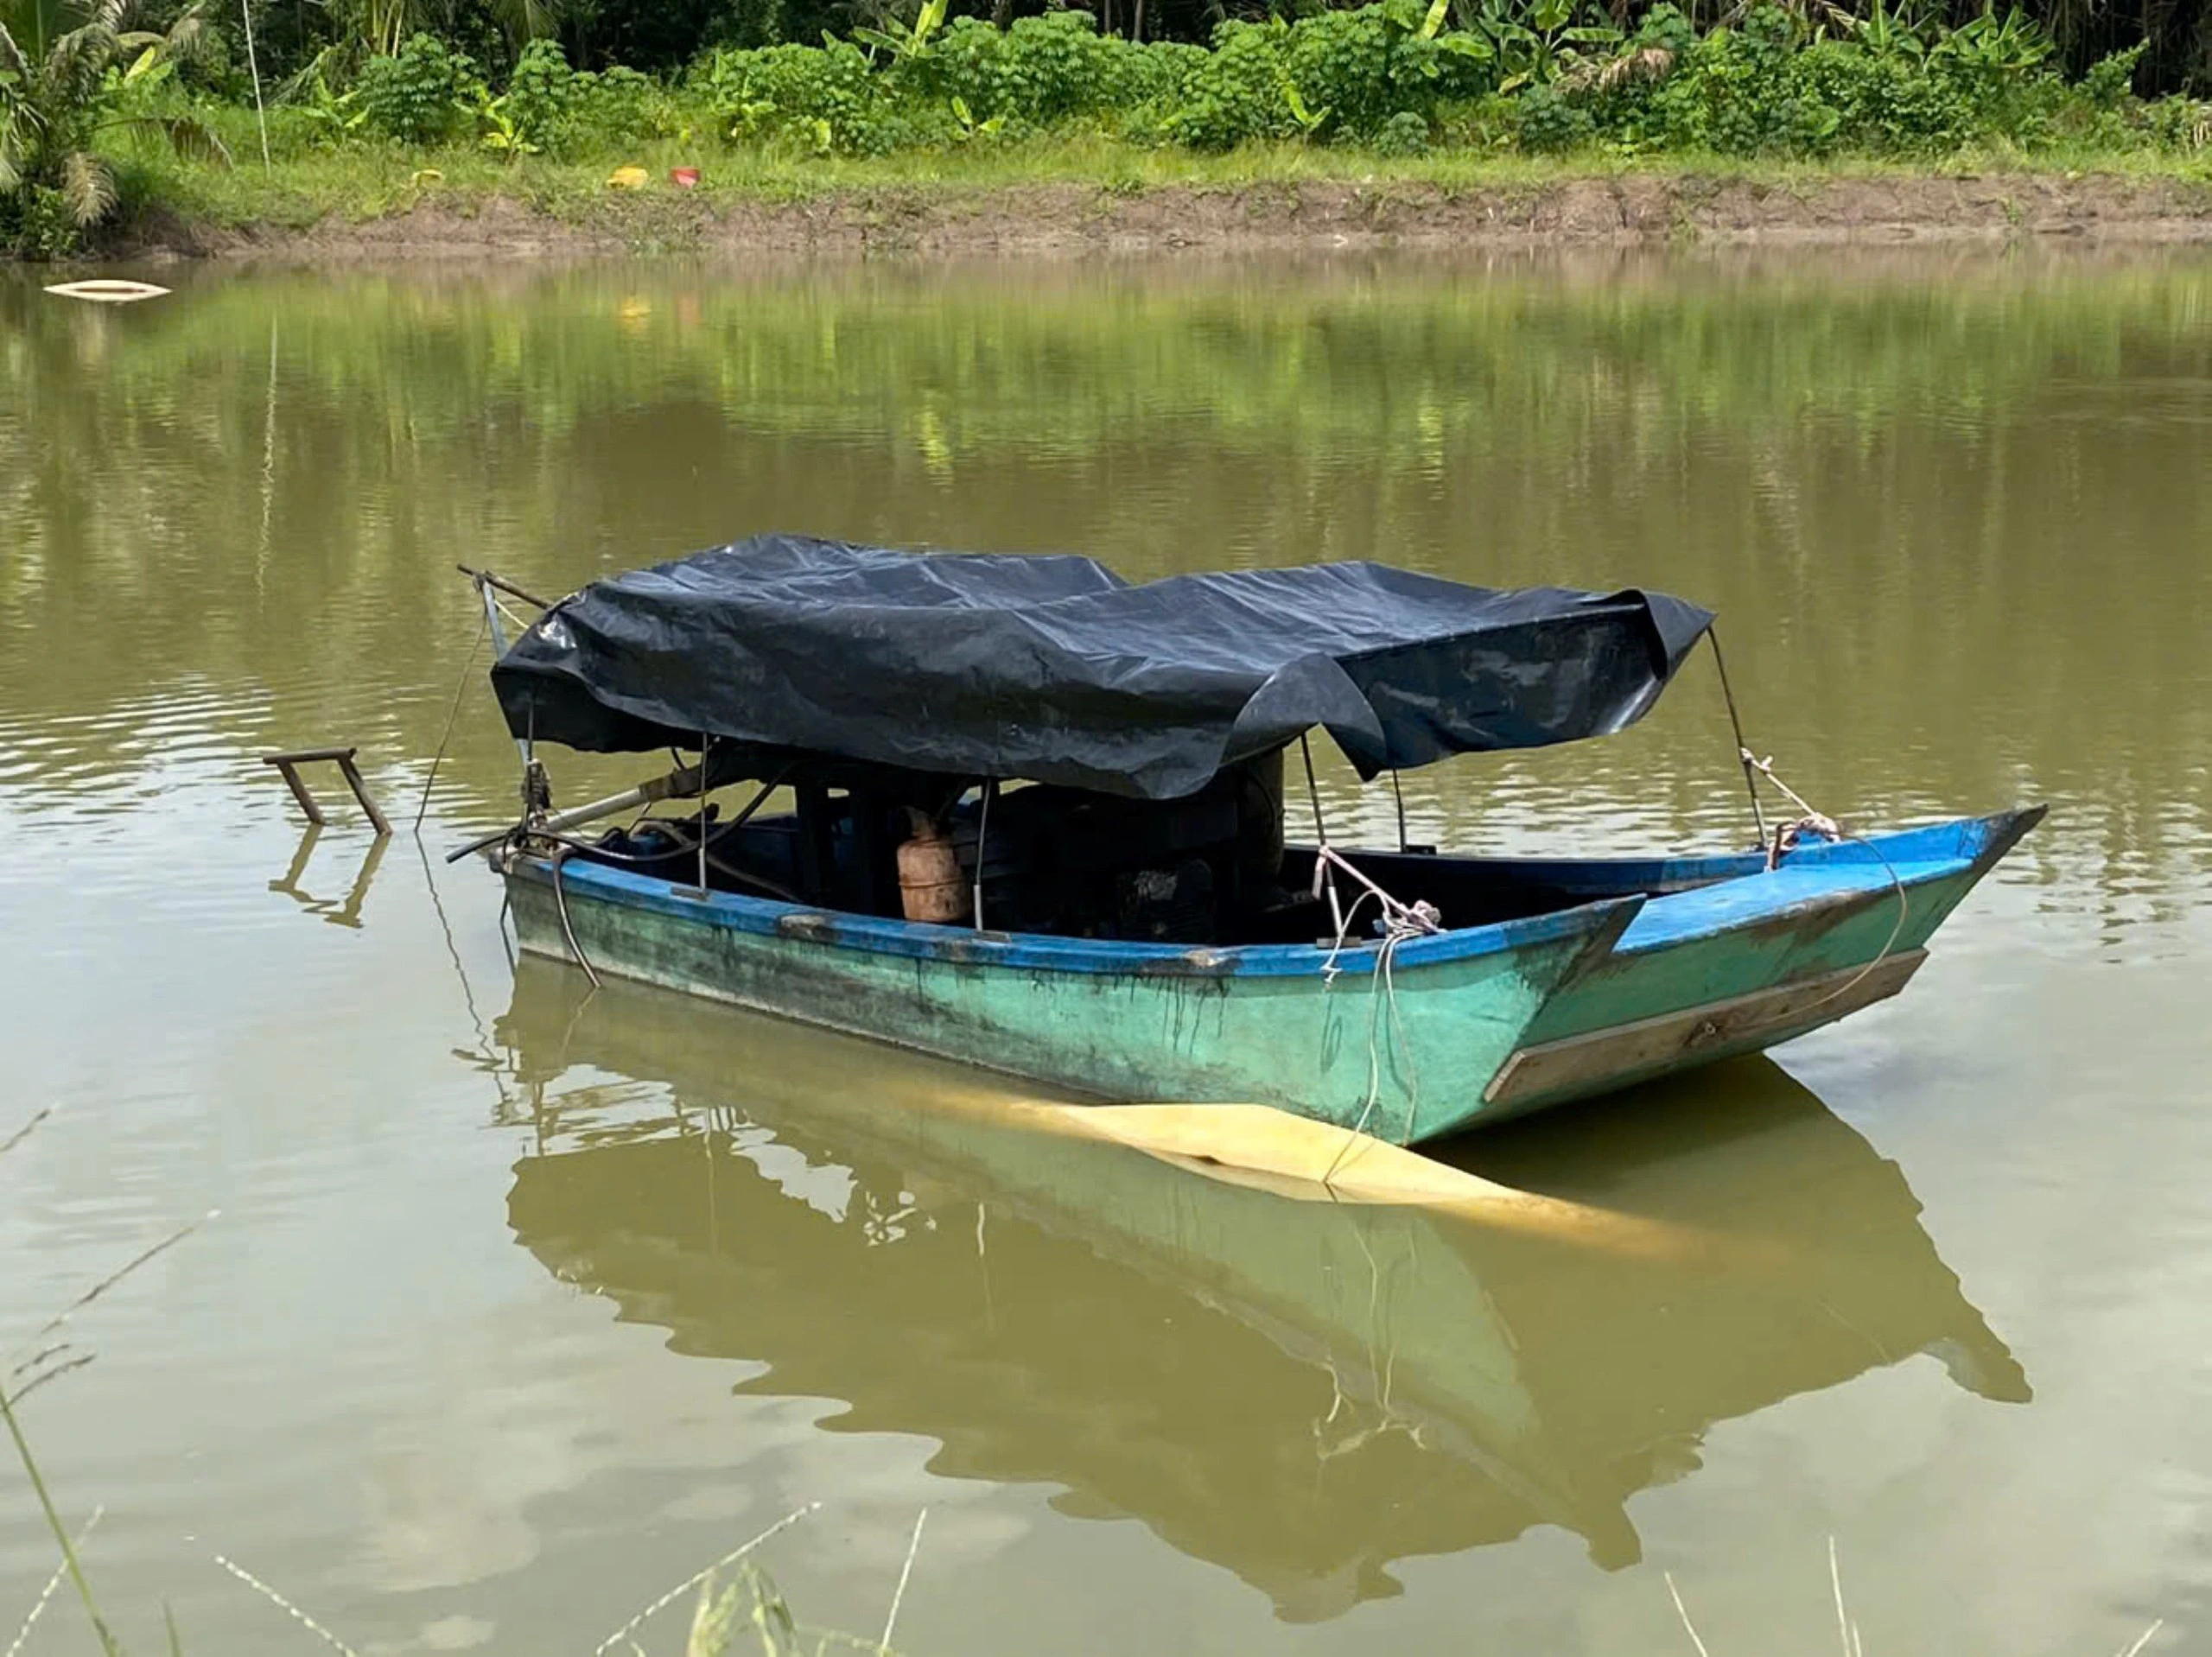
pixel 1931 851
pixel 774 918
pixel 1978 841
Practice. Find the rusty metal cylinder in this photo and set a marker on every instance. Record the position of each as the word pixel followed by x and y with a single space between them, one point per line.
pixel 929 885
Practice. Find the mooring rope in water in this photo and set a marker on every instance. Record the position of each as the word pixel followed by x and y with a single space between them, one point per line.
pixel 1400 922
pixel 461 686
pixel 561 854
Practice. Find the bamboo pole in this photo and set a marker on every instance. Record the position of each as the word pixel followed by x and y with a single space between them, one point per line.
pixel 261 113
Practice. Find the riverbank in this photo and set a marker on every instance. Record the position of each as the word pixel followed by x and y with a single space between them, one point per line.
pixel 428 212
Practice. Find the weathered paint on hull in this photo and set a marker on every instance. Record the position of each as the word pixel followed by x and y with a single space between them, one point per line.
pixel 1175 1029
pixel 1832 914
pixel 1416 1060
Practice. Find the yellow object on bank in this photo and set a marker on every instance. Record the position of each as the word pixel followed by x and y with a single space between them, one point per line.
pixel 627 178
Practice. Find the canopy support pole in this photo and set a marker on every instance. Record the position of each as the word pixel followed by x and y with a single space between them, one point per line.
pixel 1736 724
pixel 704 739
pixel 1398 792
pixel 484 583
pixel 1324 878
pixel 982 839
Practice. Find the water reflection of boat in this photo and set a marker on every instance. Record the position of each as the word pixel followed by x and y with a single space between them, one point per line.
pixel 1303 1393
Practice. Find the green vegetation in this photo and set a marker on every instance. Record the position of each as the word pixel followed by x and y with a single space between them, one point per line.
pixel 92 117
pixel 70 78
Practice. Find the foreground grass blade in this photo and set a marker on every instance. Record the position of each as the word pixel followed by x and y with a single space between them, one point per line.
pixel 24 1132
pixel 109 1645
pixel 698 1576
pixel 38 1607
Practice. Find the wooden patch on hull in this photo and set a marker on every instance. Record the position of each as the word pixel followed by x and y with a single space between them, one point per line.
pixel 1607 1058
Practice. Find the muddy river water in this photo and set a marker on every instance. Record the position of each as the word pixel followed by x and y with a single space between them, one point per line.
pixel 518 1304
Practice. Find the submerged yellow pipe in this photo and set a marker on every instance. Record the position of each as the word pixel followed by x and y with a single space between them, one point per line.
pixel 1260 1145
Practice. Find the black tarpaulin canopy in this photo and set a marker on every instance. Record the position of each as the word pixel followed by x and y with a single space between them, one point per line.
pixel 1055 670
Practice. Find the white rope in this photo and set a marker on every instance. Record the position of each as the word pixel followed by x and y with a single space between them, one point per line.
pixel 1399 923
pixel 1789 836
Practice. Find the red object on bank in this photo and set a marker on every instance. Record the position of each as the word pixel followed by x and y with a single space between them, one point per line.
pixel 685 178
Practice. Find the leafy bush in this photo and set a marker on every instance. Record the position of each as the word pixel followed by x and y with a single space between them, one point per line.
pixel 2108 81
pixel 1546 76
pixel 543 98
pixel 1235 93
pixel 622 105
pixel 2179 125
pixel 74 76
pixel 1044 69
pixel 1552 123
pixel 1734 92
pixel 1403 134
pixel 416 95
pixel 36 223
pixel 824 97
pixel 1356 70
pixel 1050 67
pixel 1772 86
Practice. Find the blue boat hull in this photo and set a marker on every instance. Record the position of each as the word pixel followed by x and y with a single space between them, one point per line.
pixel 1631 970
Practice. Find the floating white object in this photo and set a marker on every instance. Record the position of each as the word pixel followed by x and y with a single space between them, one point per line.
pixel 107 290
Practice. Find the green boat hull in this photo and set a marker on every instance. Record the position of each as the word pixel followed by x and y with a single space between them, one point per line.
pixel 1658 967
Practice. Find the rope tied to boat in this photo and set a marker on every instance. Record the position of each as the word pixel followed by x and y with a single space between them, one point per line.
pixel 1789 835
pixel 1397 923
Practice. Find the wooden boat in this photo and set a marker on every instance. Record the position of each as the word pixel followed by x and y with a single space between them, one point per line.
pixel 1345 1386
pixel 1139 929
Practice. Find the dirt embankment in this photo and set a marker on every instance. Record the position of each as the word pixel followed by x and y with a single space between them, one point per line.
pixel 1071 219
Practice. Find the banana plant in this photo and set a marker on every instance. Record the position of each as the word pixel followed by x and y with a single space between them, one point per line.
pixel 1309 120
pixel 1534 47
pixel 906 42
pixel 1888 32
pixel 499 132
pixel 1406 17
pixel 1999 47
pixel 970 128
pixel 334 116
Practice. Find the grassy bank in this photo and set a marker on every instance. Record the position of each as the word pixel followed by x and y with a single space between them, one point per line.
pixel 1073 197
pixel 1528 119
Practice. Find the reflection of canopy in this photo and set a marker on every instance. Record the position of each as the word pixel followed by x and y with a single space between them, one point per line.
pixel 1056 670
pixel 1302 1393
